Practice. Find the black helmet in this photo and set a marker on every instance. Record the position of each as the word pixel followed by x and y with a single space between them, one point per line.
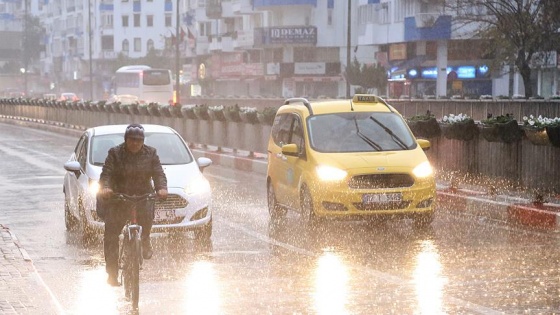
pixel 135 131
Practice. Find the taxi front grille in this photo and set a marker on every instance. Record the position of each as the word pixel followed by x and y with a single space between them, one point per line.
pixel 375 181
pixel 172 202
pixel 382 205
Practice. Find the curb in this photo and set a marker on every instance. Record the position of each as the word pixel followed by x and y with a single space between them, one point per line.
pixel 22 250
pixel 498 207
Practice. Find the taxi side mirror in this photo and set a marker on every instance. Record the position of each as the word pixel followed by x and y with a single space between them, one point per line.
pixel 424 144
pixel 290 149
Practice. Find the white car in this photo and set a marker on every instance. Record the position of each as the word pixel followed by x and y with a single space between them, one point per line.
pixel 188 205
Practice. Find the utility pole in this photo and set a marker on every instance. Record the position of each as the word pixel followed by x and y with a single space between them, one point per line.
pixel 26 53
pixel 348 43
pixel 177 63
pixel 89 43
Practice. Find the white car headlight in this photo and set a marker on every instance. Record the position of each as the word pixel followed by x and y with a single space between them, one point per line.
pixel 93 187
pixel 329 173
pixel 197 186
pixel 423 170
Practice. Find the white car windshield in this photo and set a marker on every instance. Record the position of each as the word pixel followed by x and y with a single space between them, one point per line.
pixel 170 148
pixel 359 132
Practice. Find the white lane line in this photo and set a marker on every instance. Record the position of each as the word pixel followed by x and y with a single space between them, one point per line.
pixel 479 309
pixel 40 163
pixel 222 178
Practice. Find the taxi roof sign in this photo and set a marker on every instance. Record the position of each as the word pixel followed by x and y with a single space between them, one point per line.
pixel 365 98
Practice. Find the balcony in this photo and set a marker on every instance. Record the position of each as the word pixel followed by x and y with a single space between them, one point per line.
pixel 237 7
pixel 215 43
pixel 427 26
pixel 245 39
pixel 263 4
pixel 202 45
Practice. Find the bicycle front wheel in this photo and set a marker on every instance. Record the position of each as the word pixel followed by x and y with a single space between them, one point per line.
pixel 132 270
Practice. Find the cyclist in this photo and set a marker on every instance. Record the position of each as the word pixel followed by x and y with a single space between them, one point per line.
pixel 129 169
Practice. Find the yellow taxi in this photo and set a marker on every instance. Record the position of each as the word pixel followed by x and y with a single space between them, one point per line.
pixel 347 159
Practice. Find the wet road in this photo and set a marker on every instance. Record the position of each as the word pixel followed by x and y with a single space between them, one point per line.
pixel 462 265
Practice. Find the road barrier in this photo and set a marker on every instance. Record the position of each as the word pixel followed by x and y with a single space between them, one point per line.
pixel 520 164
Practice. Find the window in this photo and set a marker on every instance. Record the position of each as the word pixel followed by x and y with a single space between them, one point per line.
pixel 168 19
pixel 297 136
pixel 137 44
pixel 136 20
pixel 107 21
pixel 149 20
pixel 125 46
pixel 125 20
pixel 107 42
pixel 149 45
pixel 329 17
pixel 281 129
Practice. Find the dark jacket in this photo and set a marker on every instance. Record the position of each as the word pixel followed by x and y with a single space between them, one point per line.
pixel 132 174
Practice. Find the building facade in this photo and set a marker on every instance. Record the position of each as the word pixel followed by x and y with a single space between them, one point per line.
pixel 280 48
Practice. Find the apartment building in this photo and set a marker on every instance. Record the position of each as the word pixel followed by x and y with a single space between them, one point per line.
pixel 281 48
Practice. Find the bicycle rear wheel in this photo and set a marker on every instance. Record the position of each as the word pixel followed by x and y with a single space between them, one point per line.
pixel 132 270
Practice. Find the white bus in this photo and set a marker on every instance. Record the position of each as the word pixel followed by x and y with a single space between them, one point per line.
pixel 149 85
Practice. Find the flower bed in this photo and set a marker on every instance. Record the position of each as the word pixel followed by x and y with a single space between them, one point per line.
pixel 502 128
pixel 216 113
pixel 459 127
pixel 542 130
pixel 248 115
pixel 266 116
pixel 424 126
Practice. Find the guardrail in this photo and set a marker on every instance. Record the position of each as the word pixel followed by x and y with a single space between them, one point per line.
pixel 520 163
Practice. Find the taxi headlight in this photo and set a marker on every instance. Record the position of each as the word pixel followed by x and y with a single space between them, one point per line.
pixel 93 187
pixel 423 170
pixel 197 186
pixel 329 173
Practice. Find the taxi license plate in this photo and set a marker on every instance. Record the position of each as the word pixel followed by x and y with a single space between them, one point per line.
pixel 167 214
pixel 382 198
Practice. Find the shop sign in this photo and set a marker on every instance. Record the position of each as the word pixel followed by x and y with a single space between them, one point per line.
pixel 397 52
pixel 272 68
pixel 309 68
pixel 293 34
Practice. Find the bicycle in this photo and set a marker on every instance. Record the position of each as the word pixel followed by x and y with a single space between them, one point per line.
pixel 130 251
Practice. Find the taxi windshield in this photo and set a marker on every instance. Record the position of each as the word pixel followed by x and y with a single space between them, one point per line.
pixel 359 132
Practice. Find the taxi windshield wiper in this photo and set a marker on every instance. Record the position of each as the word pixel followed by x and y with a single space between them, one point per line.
pixel 366 138
pixel 389 131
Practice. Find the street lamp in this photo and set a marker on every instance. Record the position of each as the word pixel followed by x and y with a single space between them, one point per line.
pixel 348 43
pixel 89 43
pixel 177 63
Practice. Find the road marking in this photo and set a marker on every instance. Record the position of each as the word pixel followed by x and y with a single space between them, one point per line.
pixel 226 179
pixel 396 280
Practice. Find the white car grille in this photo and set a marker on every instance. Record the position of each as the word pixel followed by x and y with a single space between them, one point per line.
pixel 172 202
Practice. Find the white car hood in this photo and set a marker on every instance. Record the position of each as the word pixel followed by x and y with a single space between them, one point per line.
pixel 178 176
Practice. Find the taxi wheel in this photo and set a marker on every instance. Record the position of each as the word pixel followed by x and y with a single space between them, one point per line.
pixel 307 213
pixel 274 209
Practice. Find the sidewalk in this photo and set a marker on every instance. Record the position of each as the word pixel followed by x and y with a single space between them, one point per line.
pixel 21 288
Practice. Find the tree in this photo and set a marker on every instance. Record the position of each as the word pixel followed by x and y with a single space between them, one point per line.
pixel 366 76
pixel 519 30
pixel 32 40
